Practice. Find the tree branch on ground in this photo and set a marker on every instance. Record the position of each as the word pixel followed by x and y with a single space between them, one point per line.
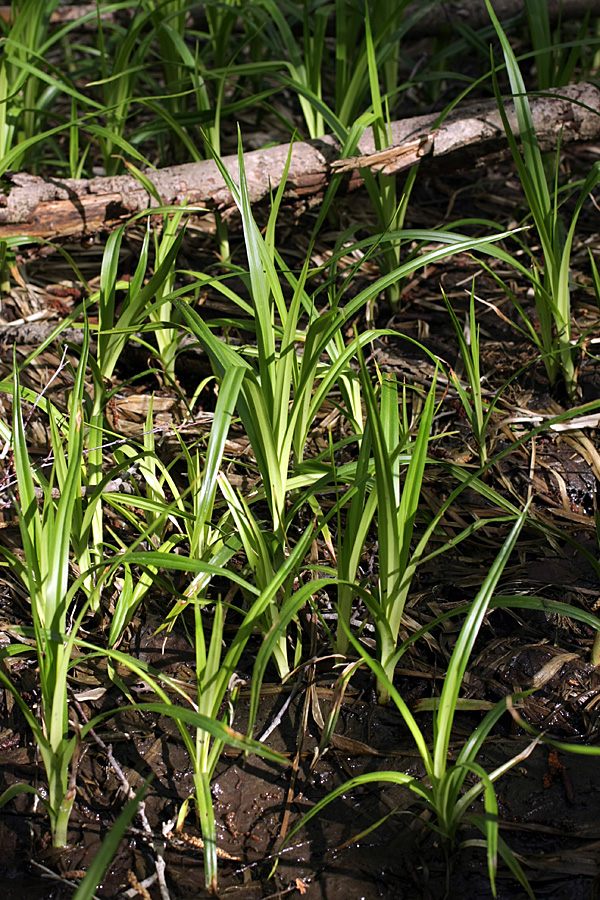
pixel 41 207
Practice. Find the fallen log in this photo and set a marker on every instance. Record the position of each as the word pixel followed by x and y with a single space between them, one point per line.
pixel 471 12
pixel 474 14
pixel 49 207
pixel 64 14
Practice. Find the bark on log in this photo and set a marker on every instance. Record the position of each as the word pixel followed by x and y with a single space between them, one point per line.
pixel 427 20
pixel 474 14
pixel 64 14
pixel 51 207
pixel 471 12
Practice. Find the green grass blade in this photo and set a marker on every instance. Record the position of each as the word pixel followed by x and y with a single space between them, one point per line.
pixel 531 151
pixel 224 411
pixel 387 511
pixel 463 648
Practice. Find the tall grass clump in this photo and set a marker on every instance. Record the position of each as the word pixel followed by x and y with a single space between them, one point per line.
pixel 44 572
pixel 445 792
pixel 556 59
pixel 550 276
pixel 298 357
pixel 59 605
pixel 384 450
pixel 24 93
pixel 476 410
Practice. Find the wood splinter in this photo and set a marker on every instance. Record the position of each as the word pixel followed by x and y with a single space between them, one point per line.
pixel 392 159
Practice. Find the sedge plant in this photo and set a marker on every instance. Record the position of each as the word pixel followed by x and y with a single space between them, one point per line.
pixel 303 63
pixel 187 76
pixel 382 188
pixel 377 472
pixel 377 56
pixel 216 660
pixel 290 371
pixel 122 309
pixel 306 58
pixel 22 98
pixel 276 398
pixel 445 792
pixel 550 279
pixel 282 389
pixel 556 60
pixel 396 503
pixel 173 515
pixel 44 572
pixel 119 75
pixel 30 84
pixel 161 313
pixel 287 378
pixel 216 681
pixel 471 397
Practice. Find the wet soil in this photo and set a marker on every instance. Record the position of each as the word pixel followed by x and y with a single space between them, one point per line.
pixel 548 814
